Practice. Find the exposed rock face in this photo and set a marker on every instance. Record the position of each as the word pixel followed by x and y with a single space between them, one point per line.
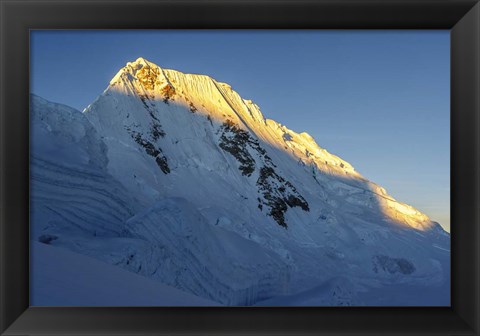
pixel 236 142
pixel 152 150
pixel 392 265
pixel 277 193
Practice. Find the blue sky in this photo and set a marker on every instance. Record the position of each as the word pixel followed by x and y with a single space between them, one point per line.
pixel 378 99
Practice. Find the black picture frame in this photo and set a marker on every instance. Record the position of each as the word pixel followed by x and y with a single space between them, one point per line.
pixel 17 17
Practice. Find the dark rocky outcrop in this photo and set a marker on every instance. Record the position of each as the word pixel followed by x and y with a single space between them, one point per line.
pixel 277 194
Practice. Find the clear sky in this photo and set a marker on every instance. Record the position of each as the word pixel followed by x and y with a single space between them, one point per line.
pixel 378 99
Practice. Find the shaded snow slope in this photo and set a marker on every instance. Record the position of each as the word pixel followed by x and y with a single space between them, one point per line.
pixel 65 278
pixel 71 188
pixel 208 260
pixel 176 177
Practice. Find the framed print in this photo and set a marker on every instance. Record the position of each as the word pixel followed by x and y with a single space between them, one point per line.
pixel 194 191
pixel 142 188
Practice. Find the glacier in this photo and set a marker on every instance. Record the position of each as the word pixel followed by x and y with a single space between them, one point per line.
pixel 178 179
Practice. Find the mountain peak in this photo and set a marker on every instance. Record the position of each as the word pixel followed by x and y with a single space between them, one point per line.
pixel 140 60
pixel 143 62
pixel 148 99
pixel 140 69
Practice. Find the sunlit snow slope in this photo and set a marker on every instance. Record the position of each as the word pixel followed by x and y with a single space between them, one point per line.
pixel 176 177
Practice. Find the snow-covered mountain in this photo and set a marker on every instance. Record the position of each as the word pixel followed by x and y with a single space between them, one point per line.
pixel 177 178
